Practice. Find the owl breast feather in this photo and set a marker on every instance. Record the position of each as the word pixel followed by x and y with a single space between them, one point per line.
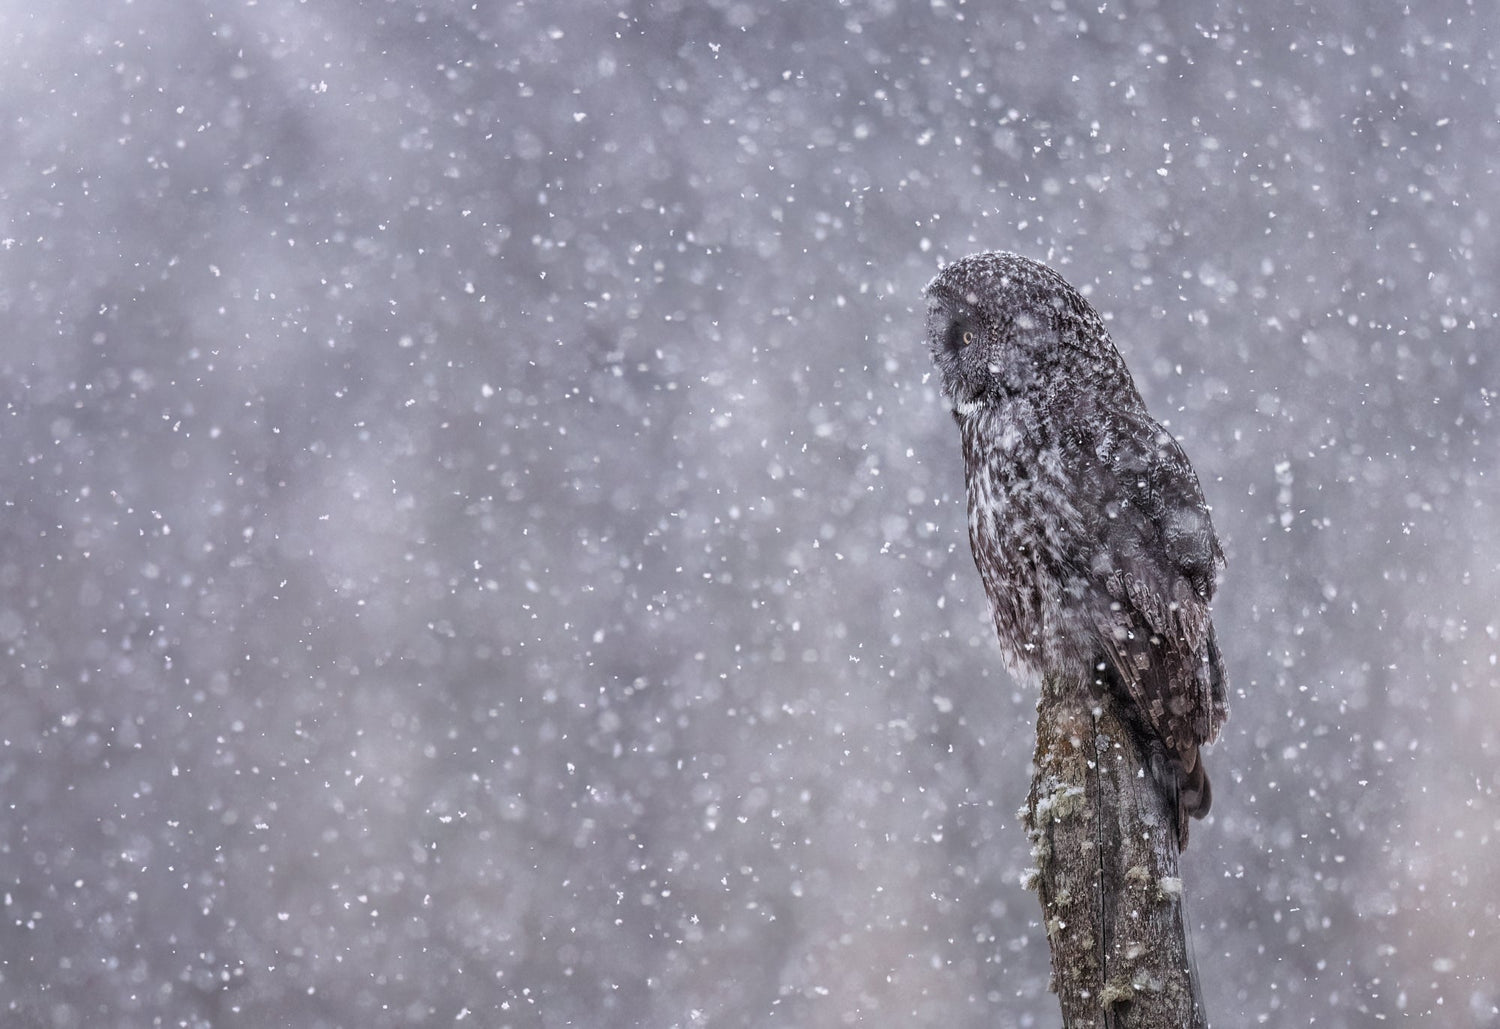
pixel 1025 533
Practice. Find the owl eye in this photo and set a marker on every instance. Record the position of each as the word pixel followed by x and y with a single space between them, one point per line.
pixel 960 335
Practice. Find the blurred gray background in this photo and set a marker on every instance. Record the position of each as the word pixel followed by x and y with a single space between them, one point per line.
pixel 481 544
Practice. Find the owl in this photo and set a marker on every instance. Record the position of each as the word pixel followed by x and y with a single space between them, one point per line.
pixel 1087 523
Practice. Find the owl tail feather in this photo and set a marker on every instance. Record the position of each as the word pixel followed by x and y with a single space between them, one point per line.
pixel 1185 785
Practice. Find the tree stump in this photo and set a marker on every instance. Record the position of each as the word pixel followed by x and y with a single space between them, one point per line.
pixel 1106 869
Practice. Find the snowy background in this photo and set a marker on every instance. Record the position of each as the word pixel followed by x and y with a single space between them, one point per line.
pixel 481 544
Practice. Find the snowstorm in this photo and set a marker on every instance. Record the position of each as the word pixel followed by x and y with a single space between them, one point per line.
pixel 481 542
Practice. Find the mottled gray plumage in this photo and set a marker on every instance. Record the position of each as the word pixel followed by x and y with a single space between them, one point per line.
pixel 1087 522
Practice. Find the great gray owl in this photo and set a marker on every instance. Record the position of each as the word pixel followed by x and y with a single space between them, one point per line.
pixel 1087 522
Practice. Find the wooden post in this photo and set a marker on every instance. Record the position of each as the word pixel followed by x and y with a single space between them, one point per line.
pixel 1106 869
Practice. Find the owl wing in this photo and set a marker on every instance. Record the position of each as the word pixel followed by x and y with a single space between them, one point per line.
pixel 1159 640
pixel 1158 572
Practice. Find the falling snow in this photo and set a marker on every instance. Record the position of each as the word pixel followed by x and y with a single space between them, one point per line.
pixel 482 543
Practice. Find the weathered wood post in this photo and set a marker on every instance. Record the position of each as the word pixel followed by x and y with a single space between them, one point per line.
pixel 1106 869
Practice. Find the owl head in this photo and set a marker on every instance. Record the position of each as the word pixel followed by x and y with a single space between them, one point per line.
pixel 1000 324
